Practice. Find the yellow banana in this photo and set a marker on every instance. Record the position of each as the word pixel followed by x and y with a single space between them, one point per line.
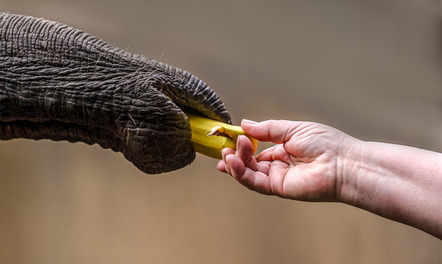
pixel 209 136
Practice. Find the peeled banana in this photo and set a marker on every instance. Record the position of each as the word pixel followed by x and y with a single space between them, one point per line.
pixel 209 136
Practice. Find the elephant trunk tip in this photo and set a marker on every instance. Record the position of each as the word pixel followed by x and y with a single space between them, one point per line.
pixel 187 90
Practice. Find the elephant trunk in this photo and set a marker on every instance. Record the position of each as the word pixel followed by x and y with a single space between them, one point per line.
pixel 60 83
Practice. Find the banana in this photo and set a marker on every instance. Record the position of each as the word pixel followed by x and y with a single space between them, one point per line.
pixel 209 136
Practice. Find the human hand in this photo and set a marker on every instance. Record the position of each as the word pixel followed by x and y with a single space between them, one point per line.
pixel 314 162
pixel 305 164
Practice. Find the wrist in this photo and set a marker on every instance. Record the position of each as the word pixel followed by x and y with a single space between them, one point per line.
pixel 350 166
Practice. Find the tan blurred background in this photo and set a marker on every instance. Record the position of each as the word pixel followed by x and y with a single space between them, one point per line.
pixel 371 68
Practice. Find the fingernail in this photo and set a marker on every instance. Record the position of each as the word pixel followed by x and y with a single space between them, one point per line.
pixel 248 122
pixel 227 163
pixel 238 142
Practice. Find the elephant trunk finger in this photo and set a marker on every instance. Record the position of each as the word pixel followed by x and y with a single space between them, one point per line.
pixel 188 90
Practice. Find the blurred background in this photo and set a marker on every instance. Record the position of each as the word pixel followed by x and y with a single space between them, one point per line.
pixel 369 68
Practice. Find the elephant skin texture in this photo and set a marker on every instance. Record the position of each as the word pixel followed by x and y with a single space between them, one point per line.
pixel 59 83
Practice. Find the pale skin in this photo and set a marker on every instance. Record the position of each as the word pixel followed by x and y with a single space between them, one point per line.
pixel 315 162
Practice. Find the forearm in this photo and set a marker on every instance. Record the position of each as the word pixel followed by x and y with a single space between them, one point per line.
pixel 397 182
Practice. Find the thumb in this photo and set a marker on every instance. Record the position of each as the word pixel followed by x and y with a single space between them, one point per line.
pixel 276 131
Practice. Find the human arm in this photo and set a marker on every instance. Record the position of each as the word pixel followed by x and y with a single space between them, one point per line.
pixel 314 162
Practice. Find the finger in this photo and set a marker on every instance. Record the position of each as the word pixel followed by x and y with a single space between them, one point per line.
pixel 266 155
pixel 225 152
pixel 253 180
pixel 280 154
pixel 277 131
pixel 235 165
pixel 244 150
pixel 264 167
pixel 221 166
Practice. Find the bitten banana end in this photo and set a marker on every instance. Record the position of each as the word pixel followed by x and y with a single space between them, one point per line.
pixel 209 136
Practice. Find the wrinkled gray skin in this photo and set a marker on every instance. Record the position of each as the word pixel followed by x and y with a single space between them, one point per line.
pixel 59 83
